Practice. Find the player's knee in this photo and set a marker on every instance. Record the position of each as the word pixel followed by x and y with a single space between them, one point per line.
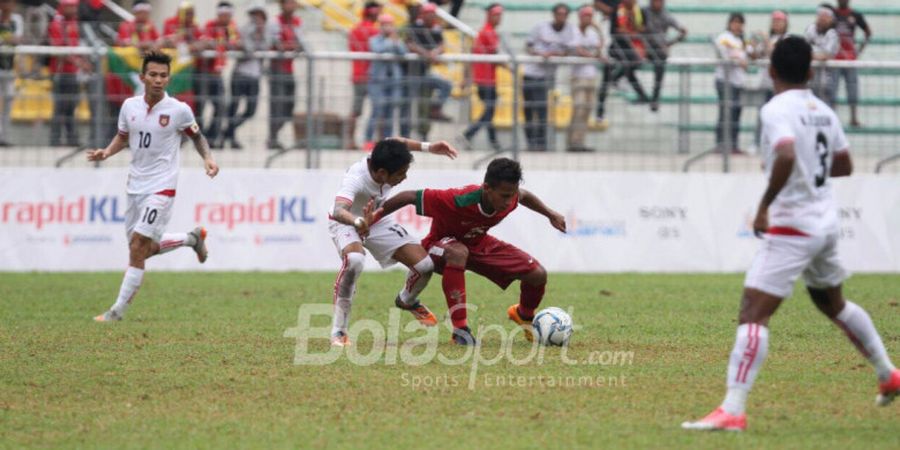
pixel 355 263
pixel 537 277
pixel 139 247
pixel 456 255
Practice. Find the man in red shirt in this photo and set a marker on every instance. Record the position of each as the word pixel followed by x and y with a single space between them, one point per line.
pixel 281 81
pixel 222 34
pixel 846 21
pixel 484 75
pixel 358 41
pixel 140 32
pixel 64 32
pixel 458 240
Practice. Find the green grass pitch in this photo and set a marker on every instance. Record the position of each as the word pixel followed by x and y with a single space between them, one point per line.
pixel 202 361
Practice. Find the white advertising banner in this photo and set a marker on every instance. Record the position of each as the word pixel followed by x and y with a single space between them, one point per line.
pixel 276 220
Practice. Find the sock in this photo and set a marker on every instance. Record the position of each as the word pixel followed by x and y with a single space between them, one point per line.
pixel 858 327
pixel 750 348
pixel 344 288
pixel 171 241
pixel 454 284
pixel 131 282
pixel 529 299
pixel 416 280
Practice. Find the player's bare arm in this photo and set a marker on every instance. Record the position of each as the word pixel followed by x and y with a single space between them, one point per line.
pixel 340 212
pixel 394 203
pixel 202 146
pixel 532 202
pixel 781 171
pixel 118 143
pixel 842 165
pixel 436 148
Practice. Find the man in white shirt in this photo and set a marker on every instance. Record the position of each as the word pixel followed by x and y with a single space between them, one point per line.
pixel 353 228
pixel 804 146
pixel 152 126
pixel 730 77
pixel 586 43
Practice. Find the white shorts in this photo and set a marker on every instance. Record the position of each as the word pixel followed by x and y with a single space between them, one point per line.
pixel 148 215
pixel 385 237
pixel 783 258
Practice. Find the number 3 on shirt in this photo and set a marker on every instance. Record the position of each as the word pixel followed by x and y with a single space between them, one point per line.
pixel 822 151
pixel 144 139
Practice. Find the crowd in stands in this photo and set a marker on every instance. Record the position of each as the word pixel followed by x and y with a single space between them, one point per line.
pixel 406 96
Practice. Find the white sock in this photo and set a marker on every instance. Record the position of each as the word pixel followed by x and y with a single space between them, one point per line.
pixel 344 288
pixel 858 327
pixel 131 282
pixel 171 241
pixel 416 279
pixel 750 349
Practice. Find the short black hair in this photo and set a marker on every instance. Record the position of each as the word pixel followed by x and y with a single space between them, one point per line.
pixel 503 170
pixel 156 57
pixel 736 16
pixel 390 155
pixel 563 6
pixel 791 59
pixel 491 6
pixel 371 4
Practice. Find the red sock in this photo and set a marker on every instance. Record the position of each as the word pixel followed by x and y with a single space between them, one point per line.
pixel 529 299
pixel 454 284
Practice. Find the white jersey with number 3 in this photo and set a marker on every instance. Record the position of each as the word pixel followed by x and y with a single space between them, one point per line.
pixel 154 136
pixel 806 202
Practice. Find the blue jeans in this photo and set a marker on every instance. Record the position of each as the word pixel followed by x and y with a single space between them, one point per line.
pixel 384 95
pixel 734 94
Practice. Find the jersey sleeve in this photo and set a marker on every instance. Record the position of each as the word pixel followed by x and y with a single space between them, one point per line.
pixel 123 122
pixel 841 144
pixel 776 127
pixel 350 186
pixel 185 122
pixel 433 202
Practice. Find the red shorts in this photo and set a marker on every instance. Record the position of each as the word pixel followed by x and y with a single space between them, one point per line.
pixel 492 258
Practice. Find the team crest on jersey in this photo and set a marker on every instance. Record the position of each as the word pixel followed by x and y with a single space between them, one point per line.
pixel 163 120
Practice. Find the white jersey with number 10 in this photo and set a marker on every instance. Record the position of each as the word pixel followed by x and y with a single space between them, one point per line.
pixel 806 203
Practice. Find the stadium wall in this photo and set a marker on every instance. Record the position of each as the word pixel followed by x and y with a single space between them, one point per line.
pixel 276 220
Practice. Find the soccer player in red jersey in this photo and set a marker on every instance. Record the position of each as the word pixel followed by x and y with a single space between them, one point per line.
pixel 458 240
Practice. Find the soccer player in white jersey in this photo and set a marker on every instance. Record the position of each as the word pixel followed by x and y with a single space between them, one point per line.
pixel 152 126
pixel 804 146
pixel 366 185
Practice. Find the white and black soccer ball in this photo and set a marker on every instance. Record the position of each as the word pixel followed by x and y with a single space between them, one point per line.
pixel 552 326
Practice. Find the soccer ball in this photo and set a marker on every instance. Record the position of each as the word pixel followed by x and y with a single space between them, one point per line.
pixel 553 326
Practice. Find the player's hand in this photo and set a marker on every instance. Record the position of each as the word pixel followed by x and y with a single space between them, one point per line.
pixel 96 155
pixel 761 222
pixel 443 148
pixel 212 169
pixel 558 221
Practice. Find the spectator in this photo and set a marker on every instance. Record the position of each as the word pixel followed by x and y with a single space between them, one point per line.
pixel 385 82
pixel 222 35
pixel 64 32
pixel 778 30
pixel 587 44
pixel 846 21
pixel 257 35
pixel 735 53
pixel 12 30
pixel 182 32
pixel 485 77
pixel 425 37
pixel 628 50
pixel 658 21
pixel 281 81
pixel 358 41
pixel 547 39
pixel 140 32
pixel 825 43
pixel 36 23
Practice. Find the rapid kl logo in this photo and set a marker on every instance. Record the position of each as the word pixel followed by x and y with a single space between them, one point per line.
pixel 62 211
pixel 255 211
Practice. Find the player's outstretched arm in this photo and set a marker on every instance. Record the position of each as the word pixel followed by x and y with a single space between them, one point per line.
pixel 394 203
pixel 340 212
pixel 532 202
pixel 202 146
pixel 118 143
pixel 436 148
pixel 781 171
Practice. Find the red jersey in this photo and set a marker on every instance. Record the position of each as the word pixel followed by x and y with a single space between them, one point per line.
pixel 223 36
pixel 175 29
pixel 63 33
pixel 845 23
pixel 625 24
pixel 486 43
pixel 457 213
pixel 131 33
pixel 287 33
pixel 358 41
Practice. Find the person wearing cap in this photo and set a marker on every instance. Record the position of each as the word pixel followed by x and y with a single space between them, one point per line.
pixel 658 20
pixel 64 31
pixel 140 32
pixel 385 83
pixel 485 77
pixel 282 86
pixel 222 35
pixel 425 37
pixel 825 43
pixel 737 53
pixel 546 39
pixel 12 31
pixel 847 20
pixel 586 44
pixel 257 35
pixel 358 41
